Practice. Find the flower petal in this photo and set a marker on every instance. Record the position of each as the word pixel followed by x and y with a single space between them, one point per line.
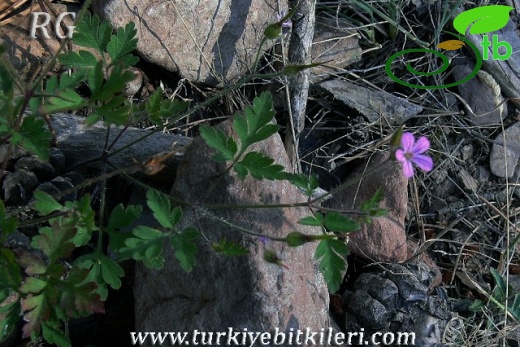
pixel 423 162
pixel 421 145
pixel 399 155
pixel 407 168
pixel 407 142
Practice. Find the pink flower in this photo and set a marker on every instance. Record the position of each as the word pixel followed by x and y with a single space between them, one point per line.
pixel 412 152
pixel 287 23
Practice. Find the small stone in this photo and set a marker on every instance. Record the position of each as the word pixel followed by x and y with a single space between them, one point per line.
pixel 74 177
pixel 467 180
pixel 57 159
pixel 466 152
pixel 503 160
pixel 18 185
pixel 48 188
pixel 482 174
pixel 43 171
pixel 370 103
pixel 62 185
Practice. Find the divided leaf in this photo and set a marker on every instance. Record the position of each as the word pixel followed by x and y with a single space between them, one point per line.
pixel 332 264
pixel 259 166
pixel 158 108
pixel 336 222
pixel 33 136
pixel 7 224
pixel 91 32
pixel 122 43
pixel 122 216
pixel 146 244
pixel 316 220
pixel 44 203
pixel 162 209
pixel 216 138
pixel 253 126
pixel 81 59
pixel 185 249
pixel 229 248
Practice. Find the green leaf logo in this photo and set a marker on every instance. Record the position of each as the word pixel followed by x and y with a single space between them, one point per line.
pixel 483 19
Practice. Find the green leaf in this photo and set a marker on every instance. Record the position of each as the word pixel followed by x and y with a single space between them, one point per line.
pixel 90 32
pixel 36 309
pixel 158 108
pixel 33 136
pixel 45 204
pixel 114 84
pixel 373 202
pixel 162 209
pixel 335 221
pixel 33 285
pixel 111 271
pixel 78 297
pixel 10 272
pixel 54 335
pixel 216 138
pixel 8 225
pixel 483 19
pixel 229 248
pixel 64 100
pixel 146 245
pixel 32 263
pixel 499 292
pixel 116 111
pixel 316 220
pixel 10 316
pixel 123 42
pixel 302 181
pixel 56 241
pixel 259 166
pixel 78 59
pixel 332 264
pixel 253 126
pixel 122 217
pixel 185 249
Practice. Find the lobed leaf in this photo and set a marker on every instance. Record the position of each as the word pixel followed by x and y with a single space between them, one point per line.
pixel 81 59
pixel 216 138
pixel 122 216
pixel 332 264
pixel 336 222
pixel 45 204
pixel 33 136
pixel 259 166
pixel 253 126
pixel 146 244
pixel 316 220
pixel 158 108
pixel 162 210
pixel 124 42
pixel 229 248
pixel 91 32
pixel 185 249
pixel 8 225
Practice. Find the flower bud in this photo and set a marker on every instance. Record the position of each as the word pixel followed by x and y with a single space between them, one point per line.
pixel 273 31
pixel 296 239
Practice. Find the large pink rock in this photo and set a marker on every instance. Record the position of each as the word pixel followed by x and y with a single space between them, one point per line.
pixel 241 292
pixel 384 239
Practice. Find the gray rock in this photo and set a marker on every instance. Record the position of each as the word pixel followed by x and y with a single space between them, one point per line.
pixel 245 292
pixel 57 159
pixel 63 185
pixel 43 170
pixel 204 41
pixel 372 104
pixel 393 297
pixel 503 159
pixel 385 238
pixel 48 188
pixel 18 186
